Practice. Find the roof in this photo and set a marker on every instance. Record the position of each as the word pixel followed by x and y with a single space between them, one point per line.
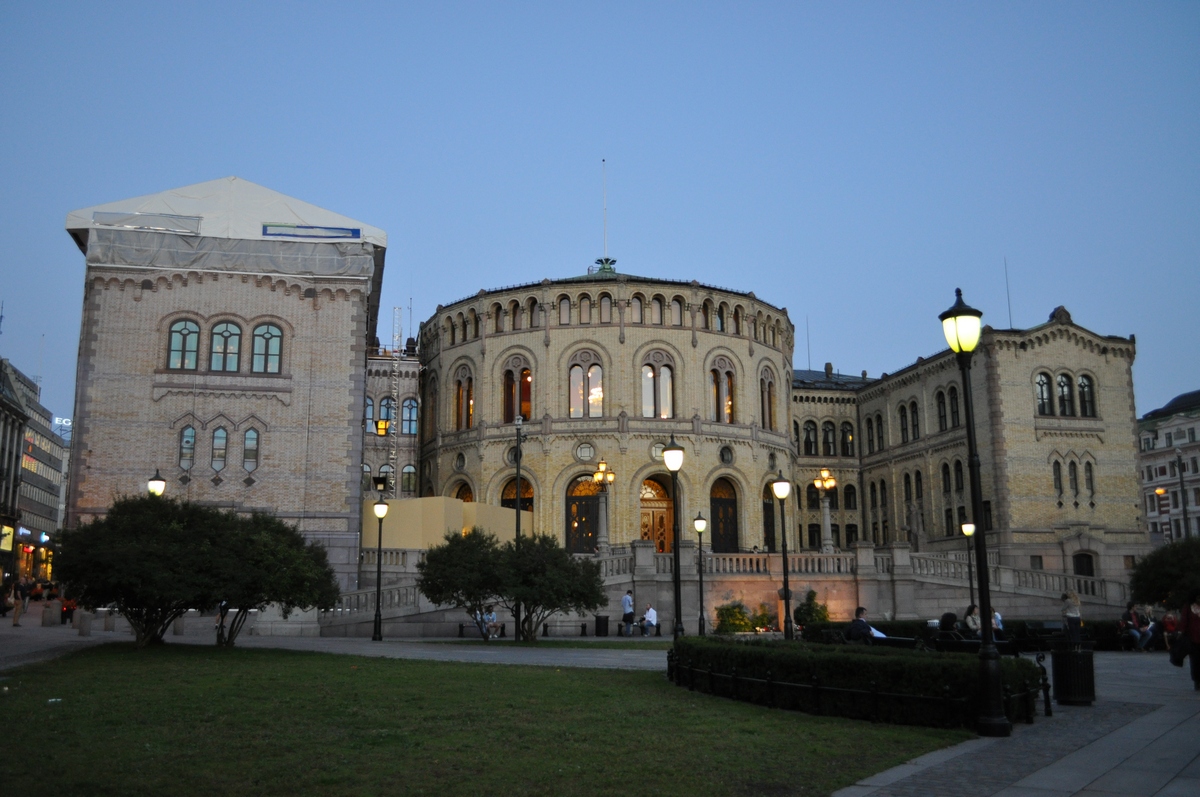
pixel 1184 402
pixel 818 380
pixel 226 208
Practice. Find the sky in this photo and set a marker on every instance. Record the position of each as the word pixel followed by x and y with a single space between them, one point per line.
pixel 852 162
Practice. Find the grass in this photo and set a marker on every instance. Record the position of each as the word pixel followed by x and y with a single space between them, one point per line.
pixel 183 720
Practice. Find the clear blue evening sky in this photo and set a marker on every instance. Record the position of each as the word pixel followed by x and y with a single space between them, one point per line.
pixel 852 162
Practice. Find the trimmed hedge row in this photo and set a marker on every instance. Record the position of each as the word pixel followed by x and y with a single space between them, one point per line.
pixel 904 672
pixel 1104 634
pixel 912 629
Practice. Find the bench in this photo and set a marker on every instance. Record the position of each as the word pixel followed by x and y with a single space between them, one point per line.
pixel 462 630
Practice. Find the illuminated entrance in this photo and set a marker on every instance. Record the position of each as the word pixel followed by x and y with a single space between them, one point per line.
pixel 657 515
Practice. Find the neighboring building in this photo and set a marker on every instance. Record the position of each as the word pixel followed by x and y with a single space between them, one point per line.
pixel 1169 465
pixel 13 416
pixel 224 342
pixel 392 389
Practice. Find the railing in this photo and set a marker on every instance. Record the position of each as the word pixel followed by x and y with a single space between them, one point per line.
pixel 352 605
pixel 404 559
pixel 883 563
pixel 664 563
pixel 618 565
pixel 939 567
pixel 1058 583
pixel 738 563
pixel 828 563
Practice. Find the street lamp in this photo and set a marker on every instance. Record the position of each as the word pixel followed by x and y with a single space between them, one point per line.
pixel 782 488
pixel 517 539
pixel 157 484
pixel 673 458
pixel 962 326
pixel 603 476
pixel 381 510
pixel 700 524
pixel 825 482
pixel 968 529
pixel 1187 530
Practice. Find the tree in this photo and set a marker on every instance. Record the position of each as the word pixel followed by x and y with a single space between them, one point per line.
pixel 810 611
pixel 1168 574
pixel 465 571
pixel 545 579
pixel 150 557
pixel 268 561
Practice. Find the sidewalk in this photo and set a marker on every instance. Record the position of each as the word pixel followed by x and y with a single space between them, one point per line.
pixel 1141 738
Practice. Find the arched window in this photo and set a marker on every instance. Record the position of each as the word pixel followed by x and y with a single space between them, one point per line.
pixel 810 438
pixel 582 510
pixel 220 442
pixel 564 311
pixel 1066 396
pixel 187 448
pixel 721 391
pixel 766 391
pixel 464 399
pixel 847 439
pixel 635 310
pixel 879 430
pixel 465 494
pixel 813 497
pixel 1073 477
pixel 954 407
pixel 796 435
pixel 1057 471
pixel 656 311
pixel 605 309
pixel 737 321
pixel 226 345
pixel 883 496
pixel 369 411
pixel 387 472
pixel 658 386
pixel 903 424
pixel 250 451
pixel 918 488
pixel 676 313
pixel 408 479
pixel 721 318
pixel 705 316
pixel 408 416
pixel 945 478
pixel 474 324
pixel 958 475
pixel 268 349
pixel 723 509
pixel 498 318
pixel 850 496
pixel 585 309
pixel 908 493
pixel 184 343
pixel 518 389
pixel 769 512
pixel 870 437
pixel 514 312
pixel 913 418
pixel 387 409
pixel 1087 397
pixel 832 495
pixel 535 313
pixel 508 496
pixel 828 439
pixel 874 496
pixel 1089 479
pixel 451 331
pixel 1045 402
pixel 941 411
pixel 586 387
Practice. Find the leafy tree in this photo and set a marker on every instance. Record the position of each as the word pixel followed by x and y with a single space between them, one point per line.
pixel 546 579
pixel 152 558
pixel 268 561
pixel 810 611
pixel 1168 574
pixel 465 571
pixel 733 618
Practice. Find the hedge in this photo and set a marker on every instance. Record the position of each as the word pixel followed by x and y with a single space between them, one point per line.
pixel 1104 634
pixel 921 674
pixel 910 629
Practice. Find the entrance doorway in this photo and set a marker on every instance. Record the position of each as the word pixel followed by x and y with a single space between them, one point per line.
pixel 583 515
pixel 657 515
pixel 723 506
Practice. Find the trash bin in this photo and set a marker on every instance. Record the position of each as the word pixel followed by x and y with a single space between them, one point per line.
pixel 1074 675
pixel 601 624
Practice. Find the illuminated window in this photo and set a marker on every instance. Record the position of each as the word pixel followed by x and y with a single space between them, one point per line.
pixel 226 344
pixel 658 387
pixel 586 388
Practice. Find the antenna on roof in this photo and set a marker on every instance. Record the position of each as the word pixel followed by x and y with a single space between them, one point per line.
pixel 1 318
pixel 604 265
pixel 1008 290
pixel 808 342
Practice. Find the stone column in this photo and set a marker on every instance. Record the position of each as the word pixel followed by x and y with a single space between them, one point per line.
pixel 826 528
pixel 602 545
pixel 902 582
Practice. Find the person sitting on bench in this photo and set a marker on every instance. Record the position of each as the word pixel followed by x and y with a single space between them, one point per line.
pixel 859 631
pixel 649 620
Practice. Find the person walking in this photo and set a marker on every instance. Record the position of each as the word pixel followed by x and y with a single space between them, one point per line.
pixel 18 602
pixel 627 611
pixel 1072 621
pixel 1189 636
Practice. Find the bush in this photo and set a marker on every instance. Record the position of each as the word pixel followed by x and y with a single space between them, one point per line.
pixel 733 618
pixel 810 612
pixel 764 618
pixel 899 672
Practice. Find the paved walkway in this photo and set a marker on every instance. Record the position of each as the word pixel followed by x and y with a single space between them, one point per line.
pixel 1141 738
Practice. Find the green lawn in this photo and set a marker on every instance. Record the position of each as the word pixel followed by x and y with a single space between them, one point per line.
pixel 184 720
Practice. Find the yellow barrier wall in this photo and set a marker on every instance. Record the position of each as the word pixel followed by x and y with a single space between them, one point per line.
pixel 423 522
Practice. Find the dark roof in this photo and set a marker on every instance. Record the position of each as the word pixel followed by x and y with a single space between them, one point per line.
pixel 819 381
pixel 1184 402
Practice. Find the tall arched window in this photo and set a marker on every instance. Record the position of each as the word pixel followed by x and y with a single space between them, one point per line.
pixel 498 318
pixel 635 310
pixel 945 478
pixel 1056 469
pixel 564 311
pixel 958 475
pixel 658 386
pixel 1066 395
pixel 810 438
pixel 220 443
pixel 187 448
pixel 903 424
pixel 721 385
pixel 250 450
pixel 605 309
pixel 535 313
pixel 769 513
pixel 387 410
pixel 813 497
pixel 766 390
pixel 1087 397
pixel 518 389
pixel 369 411
pixel 408 479
pixel 514 312
pixel 656 311
pixel 918 488
pixel 874 496
pixel 1089 479
pixel 954 407
pixel 850 496
pixel 184 343
pixel 408 416
pixel 721 318
pixel 451 331
pixel 585 309
pixel 586 386
pixel 796 434
pixel 870 437
pixel 268 349
pixel 676 313
pixel 847 439
pixel 464 399
pixel 1073 477
pixel 1045 401
pixel 914 419
pixel 941 411
pixel 908 493
pixel 723 509
pixel 705 316
pixel 387 472
pixel 226 345
pixel 828 439
pixel 508 496
pixel 879 430
pixel 737 321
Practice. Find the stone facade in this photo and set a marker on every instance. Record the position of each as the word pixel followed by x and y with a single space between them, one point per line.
pixel 268 419
pixel 398 406
pixel 1169 468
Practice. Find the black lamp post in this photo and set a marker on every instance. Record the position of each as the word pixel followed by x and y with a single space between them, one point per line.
pixel 673 458
pixel 157 484
pixel 968 529
pixel 782 488
pixel 962 326
pixel 381 510
pixel 700 525
pixel 1187 529
pixel 517 540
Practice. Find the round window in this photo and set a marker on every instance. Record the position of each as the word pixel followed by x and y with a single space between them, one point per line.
pixel 460 461
pixel 585 452
pixel 656 451
pixel 726 455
